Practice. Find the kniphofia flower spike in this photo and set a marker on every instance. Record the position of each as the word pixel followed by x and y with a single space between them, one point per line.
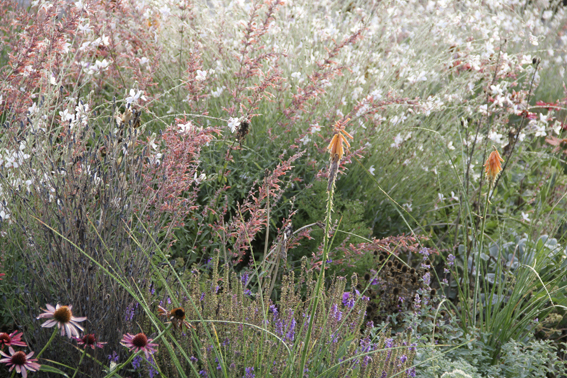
pixel 336 148
pixel 493 166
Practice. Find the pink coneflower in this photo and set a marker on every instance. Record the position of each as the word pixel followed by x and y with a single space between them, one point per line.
pixel 63 317
pixel 20 361
pixel 13 338
pixel 89 340
pixel 139 342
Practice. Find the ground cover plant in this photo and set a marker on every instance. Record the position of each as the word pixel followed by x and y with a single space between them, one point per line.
pixel 283 188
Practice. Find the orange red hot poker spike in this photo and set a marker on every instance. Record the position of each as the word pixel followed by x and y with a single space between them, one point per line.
pixel 336 148
pixel 493 166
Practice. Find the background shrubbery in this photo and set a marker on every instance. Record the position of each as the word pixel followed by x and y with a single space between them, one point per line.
pixel 173 153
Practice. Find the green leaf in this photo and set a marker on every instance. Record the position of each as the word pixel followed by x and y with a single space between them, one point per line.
pixel 51 369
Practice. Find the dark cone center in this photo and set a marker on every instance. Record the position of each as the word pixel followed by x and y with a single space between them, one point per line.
pixel 89 339
pixel 19 358
pixel 140 340
pixel 4 338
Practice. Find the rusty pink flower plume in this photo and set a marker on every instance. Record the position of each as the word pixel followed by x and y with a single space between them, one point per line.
pixel 63 317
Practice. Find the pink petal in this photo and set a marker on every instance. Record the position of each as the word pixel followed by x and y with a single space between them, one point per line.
pixel 76 325
pixel 69 330
pixel 51 308
pixel 79 319
pixel 49 323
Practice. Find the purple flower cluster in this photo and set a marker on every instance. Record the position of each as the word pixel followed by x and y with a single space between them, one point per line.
pixel 113 357
pixel 286 328
pixel 348 300
pixel 427 278
pixel 274 310
pixel 245 278
pixel 249 372
pixel 450 260
pixel 417 301
pixel 137 362
pixel 336 314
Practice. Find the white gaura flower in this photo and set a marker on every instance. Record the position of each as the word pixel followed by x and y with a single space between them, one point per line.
pixel 201 75
pixel 397 141
pixel 134 96
pixel 218 92
pixel 525 217
pixel 540 131
pixel 185 127
pixel 233 124
pixel 495 137
pixel 371 170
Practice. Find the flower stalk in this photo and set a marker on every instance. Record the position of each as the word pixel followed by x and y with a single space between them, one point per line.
pixel 336 150
pixel 80 362
pixel 55 331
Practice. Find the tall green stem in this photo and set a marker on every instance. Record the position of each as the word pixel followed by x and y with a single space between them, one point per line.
pixel 477 261
pixel 320 279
